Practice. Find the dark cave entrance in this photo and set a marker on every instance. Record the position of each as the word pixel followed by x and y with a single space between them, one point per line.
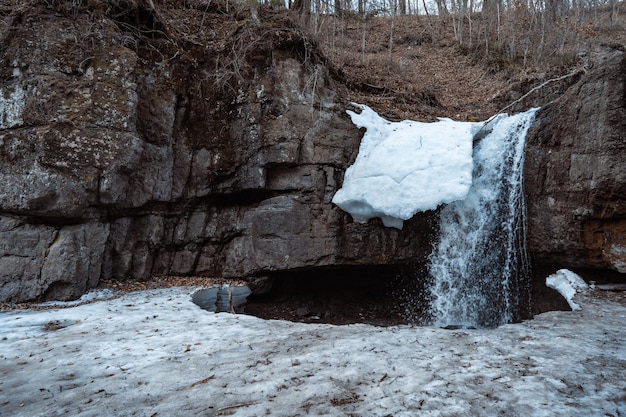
pixel 381 295
pixel 373 294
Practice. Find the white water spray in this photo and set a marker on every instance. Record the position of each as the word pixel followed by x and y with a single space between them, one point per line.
pixel 479 266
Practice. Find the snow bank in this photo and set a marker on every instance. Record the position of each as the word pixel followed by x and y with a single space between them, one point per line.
pixel 88 297
pixel 567 284
pixel 406 167
pixel 155 353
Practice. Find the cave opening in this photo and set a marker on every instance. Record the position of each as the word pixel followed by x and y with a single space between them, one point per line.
pixel 372 294
pixel 382 295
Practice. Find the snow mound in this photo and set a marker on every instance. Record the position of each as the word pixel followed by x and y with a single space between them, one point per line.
pixel 567 284
pixel 406 167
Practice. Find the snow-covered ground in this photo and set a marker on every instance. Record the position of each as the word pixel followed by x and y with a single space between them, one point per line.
pixel 155 353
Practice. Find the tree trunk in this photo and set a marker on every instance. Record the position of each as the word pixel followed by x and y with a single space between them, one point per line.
pixel 302 6
pixel 556 9
pixel 490 9
pixel 614 11
pixel 394 10
pixel 338 10
pixel 402 7
pixel 442 9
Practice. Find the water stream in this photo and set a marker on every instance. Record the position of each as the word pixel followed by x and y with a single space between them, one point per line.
pixel 479 267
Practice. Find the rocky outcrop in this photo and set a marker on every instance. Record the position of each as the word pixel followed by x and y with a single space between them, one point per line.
pixel 137 142
pixel 123 156
pixel 576 172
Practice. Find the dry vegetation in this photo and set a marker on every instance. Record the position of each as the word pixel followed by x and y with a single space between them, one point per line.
pixel 462 63
pixel 426 70
pixel 421 77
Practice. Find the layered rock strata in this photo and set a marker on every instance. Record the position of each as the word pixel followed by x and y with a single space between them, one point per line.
pixel 125 157
pixel 576 172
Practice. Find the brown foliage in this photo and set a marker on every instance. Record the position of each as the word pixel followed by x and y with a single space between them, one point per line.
pixel 464 65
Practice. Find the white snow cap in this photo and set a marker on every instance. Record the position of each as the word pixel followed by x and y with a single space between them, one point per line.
pixel 406 167
pixel 567 284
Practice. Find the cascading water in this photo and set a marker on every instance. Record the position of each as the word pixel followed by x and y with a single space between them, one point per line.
pixel 478 269
pixel 479 266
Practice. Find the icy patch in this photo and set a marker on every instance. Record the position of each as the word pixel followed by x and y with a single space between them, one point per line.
pixel 406 167
pixel 155 353
pixel 567 284
pixel 11 107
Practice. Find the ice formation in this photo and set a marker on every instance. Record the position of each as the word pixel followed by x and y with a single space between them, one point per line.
pixel 567 283
pixel 406 167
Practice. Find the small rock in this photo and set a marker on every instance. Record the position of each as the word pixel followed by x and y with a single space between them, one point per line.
pixel 302 312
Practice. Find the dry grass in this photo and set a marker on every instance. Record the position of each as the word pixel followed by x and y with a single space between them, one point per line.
pixel 419 78
pixel 428 73
pixel 421 72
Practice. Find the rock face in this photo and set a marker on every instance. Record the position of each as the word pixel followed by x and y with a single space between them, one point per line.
pixel 576 172
pixel 126 157
pixel 137 142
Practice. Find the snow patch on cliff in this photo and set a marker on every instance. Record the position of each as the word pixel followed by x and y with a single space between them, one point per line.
pixel 406 167
pixel 12 103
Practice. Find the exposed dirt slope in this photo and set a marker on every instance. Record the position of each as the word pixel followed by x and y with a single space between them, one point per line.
pixel 427 73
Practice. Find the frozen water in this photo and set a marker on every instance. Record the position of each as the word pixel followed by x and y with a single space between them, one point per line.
pixel 155 353
pixel 567 283
pixel 479 265
pixel 406 167
pixel 224 298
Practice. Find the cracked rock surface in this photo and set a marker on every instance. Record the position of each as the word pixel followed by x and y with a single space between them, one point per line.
pixel 128 156
pixel 575 173
pixel 116 163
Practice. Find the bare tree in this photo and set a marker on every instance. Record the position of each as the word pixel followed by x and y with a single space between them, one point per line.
pixel 613 11
pixel 361 7
pixel 302 6
pixel 402 7
pixel 394 10
pixel 363 3
pixel 442 8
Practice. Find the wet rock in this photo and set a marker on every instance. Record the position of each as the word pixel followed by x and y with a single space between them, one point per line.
pixel 302 312
pixel 575 179
pixel 223 299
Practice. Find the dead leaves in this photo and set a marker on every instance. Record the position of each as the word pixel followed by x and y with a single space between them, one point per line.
pixel 350 399
pixel 58 324
pixel 202 381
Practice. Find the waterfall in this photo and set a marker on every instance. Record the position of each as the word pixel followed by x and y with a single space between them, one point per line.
pixel 479 267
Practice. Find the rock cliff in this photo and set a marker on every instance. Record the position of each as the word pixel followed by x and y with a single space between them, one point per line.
pixel 137 142
pixel 129 148
pixel 576 172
